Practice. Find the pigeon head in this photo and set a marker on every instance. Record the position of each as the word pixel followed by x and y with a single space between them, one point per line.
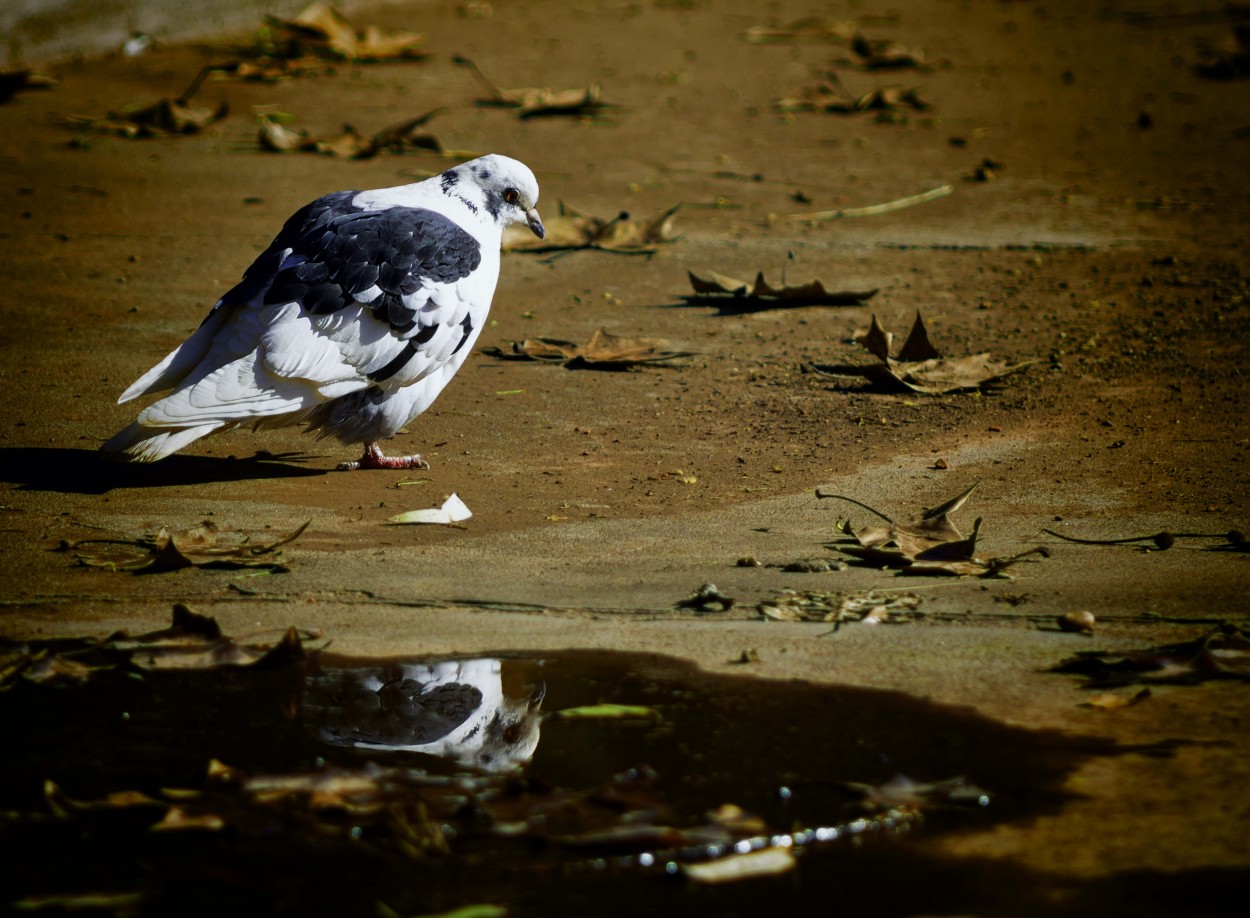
pixel 502 188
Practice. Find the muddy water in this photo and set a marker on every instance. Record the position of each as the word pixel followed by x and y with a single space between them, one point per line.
pixel 350 786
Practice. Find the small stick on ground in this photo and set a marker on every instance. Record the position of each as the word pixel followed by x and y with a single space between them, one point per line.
pixel 889 206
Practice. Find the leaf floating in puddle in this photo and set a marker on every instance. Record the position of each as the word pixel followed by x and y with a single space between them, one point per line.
pixel 1110 701
pixel 920 367
pixel 906 793
pixel 571 230
pixel 535 102
pixel 604 351
pixel 480 910
pixel 1221 653
pixel 452 511
pixel 192 641
pixel 607 712
pixel 763 863
pixel 736 295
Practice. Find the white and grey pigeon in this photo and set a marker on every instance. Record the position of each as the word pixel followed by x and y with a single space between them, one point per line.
pixel 453 709
pixel 352 320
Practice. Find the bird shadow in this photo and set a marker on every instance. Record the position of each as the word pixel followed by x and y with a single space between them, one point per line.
pixel 84 471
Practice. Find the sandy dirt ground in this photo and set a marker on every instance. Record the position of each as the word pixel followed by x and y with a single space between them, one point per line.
pixel 1109 246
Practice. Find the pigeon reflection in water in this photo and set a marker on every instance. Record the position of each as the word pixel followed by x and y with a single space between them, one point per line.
pixel 453 709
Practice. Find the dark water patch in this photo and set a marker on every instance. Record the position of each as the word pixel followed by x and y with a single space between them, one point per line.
pixel 346 786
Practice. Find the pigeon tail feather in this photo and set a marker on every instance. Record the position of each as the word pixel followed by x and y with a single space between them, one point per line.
pixel 140 443
pixel 179 362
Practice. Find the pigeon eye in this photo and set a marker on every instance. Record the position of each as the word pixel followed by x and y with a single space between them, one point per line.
pixel 511 195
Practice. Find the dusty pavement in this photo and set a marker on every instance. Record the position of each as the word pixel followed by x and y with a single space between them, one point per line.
pixel 1109 246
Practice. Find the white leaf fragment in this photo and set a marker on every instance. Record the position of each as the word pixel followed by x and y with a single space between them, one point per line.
pixel 453 510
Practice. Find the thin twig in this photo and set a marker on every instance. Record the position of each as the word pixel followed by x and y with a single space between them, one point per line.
pixel 931 195
pixel 822 495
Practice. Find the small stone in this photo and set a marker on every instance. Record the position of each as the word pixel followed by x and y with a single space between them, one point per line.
pixel 1077 622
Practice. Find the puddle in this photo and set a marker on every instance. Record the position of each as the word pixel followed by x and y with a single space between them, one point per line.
pixel 345 788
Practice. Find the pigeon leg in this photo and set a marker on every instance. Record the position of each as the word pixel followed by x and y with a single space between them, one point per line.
pixel 373 459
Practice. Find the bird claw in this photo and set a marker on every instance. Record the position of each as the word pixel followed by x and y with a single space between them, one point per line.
pixel 374 459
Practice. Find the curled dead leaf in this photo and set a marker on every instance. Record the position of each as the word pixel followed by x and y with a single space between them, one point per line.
pixel 323 31
pixel 604 351
pixel 738 296
pixel 533 102
pixel 194 547
pixel 920 367
pixel 571 230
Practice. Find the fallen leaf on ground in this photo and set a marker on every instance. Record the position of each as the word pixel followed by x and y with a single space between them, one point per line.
pixel 707 598
pixel 604 351
pixel 453 510
pixel 926 545
pixel 534 102
pixel 194 547
pixel 1221 653
pixel 163 118
pixel 734 295
pixel 891 103
pixel 571 230
pixel 919 367
pixel 323 31
pixel 350 144
pixel 841 608
pixel 884 54
pixel 14 81
pixel 809 28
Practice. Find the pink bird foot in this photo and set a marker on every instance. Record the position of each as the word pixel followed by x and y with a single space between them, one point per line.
pixel 373 459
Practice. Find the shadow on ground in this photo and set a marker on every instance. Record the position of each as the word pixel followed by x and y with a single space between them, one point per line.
pixel 81 471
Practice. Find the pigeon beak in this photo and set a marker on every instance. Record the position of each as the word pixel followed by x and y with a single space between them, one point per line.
pixel 535 222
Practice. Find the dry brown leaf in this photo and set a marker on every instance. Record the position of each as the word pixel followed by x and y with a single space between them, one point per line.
pixel 604 351
pixel 809 28
pixel 831 97
pixel 926 545
pixel 350 144
pixel 840 608
pixel 165 117
pixel 166 551
pixel 734 295
pixel 323 31
pixel 533 102
pixel 572 230
pixel 14 81
pixel 1221 653
pixel 883 54
pixel 919 367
